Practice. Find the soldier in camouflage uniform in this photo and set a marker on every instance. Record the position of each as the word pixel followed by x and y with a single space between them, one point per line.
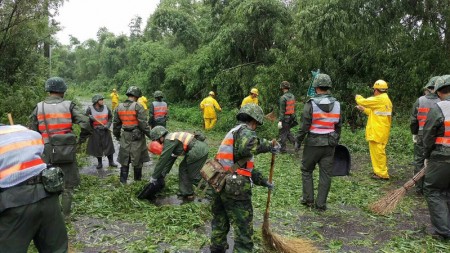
pixel 158 111
pixel 418 117
pixel 130 127
pixel 233 205
pixel 436 144
pixel 195 152
pixel 286 119
pixel 321 126
pixel 43 121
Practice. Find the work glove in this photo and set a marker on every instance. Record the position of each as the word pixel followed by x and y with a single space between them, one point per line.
pixel 270 186
pixel 275 148
pixel 414 138
pixel 280 125
pixel 92 118
pixel 108 125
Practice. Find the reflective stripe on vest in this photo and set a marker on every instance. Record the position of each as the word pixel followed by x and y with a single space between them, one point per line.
pixel 290 107
pixel 225 155
pixel 425 104
pixel 58 118
pixel 20 155
pixel 445 108
pixel 184 137
pixel 324 122
pixel 101 116
pixel 159 109
pixel 127 116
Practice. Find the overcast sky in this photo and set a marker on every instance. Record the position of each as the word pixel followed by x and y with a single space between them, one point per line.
pixel 83 18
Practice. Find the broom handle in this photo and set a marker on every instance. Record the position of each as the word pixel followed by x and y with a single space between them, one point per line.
pixel 272 163
pixel 101 124
pixel 10 118
pixel 415 178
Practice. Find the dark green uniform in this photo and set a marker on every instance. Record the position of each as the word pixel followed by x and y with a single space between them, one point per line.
pixel 233 205
pixel 437 174
pixel 287 119
pixel 71 173
pixel 189 169
pixel 429 99
pixel 319 149
pixel 132 150
pixel 100 142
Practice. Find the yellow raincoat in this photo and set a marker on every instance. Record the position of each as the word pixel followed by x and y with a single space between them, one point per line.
pixel 379 110
pixel 209 106
pixel 143 101
pixel 249 100
pixel 114 100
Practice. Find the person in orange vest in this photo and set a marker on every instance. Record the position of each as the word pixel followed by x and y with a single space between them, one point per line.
pixel 436 143
pixel 54 118
pixel 129 127
pixel 114 99
pixel 379 109
pixel 252 98
pixel 320 129
pixel 209 106
pixel 100 142
pixel 418 117
pixel 195 152
pixel 28 211
pixel 287 118
pixel 158 113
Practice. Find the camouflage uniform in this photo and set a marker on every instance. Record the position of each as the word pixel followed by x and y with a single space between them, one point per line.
pixel 158 111
pixel 436 185
pixel 320 143
pixel 133 148
pixel 233 205
pixel 287 117
pixel 71 173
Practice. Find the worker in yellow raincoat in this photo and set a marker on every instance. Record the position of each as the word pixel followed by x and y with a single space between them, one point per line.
pixel 143 101
pixel 209 106
pixel 379 109
pixel 114 99
pixel 252 98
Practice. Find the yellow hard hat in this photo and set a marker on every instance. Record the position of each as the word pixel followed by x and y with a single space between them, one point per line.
pixel 212 93
pixel 254 91
pixel 380 85
pixel 114 89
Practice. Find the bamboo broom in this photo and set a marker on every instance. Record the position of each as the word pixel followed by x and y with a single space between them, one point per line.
pixel 388 203
pixel 275 241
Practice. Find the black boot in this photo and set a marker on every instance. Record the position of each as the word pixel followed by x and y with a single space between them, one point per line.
pixel 100 163
pixel 111 161
pixel 137 174
pixel 123 174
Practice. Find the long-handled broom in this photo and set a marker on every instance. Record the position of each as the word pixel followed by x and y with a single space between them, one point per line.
pixel 388 203
pixel 275 241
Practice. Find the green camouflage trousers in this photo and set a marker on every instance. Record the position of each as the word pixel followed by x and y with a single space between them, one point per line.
pixel 238 213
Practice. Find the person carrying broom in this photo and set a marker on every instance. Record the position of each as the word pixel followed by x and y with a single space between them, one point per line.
pixel 233 205
pixel 436 142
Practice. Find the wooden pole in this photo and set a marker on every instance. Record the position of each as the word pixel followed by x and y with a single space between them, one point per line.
pixel 10 118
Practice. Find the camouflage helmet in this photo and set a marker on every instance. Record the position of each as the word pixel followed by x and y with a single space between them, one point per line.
pixel 157 132
pixel 322 81
pixel 158 94
pixel 134 91
pixel 441 82
pixel 96 98
pixel 285 85
pixel 55 84
pixel 431 83
pixel 252 110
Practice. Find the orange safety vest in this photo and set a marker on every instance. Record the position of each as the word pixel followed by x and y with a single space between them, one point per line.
pixel 183 137
pixel 425 104
pixel 225 155
pixel 324 122
pixel 58 118
pixel 290 107
pixel 20 154
pixel 101 116
pixel 445 108
pixel 159 109
pixel 127 116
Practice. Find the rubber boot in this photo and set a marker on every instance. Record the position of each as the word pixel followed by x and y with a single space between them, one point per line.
pixel 111 162
pixel 66 201
pixel 137 174
pixel 123 174
pixel 100 163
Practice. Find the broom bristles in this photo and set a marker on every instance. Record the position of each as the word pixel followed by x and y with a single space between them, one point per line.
pixel 388 202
